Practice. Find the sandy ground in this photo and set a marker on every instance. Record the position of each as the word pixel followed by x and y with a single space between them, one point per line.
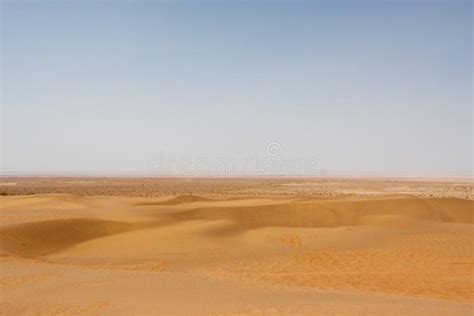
pixel 274 254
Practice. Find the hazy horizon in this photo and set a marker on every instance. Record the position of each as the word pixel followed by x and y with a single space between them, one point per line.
pixel 355 87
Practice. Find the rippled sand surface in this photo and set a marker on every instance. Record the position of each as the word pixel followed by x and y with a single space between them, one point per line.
pixel 239 252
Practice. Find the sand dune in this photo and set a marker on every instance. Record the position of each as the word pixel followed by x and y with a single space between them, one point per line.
pixel 46 201
pixel 182 199
pixel 395 254
pixel 338 213
pixel 176 200
pixel 46 237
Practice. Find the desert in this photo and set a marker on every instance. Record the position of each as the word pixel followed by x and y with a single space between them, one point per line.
pixel 264 157
pixel 217 246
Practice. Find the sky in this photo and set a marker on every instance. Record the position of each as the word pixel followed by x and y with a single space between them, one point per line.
pixel 376 87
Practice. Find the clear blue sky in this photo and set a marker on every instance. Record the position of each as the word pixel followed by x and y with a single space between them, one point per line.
pixel 362 86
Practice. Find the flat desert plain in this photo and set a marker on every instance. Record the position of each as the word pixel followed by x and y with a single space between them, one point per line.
pixel 103 246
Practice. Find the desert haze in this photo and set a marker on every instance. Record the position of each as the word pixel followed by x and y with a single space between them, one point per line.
pixel 105 246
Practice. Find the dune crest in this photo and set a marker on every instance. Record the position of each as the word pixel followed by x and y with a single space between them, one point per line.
pixel 327 213
pixel 176 200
